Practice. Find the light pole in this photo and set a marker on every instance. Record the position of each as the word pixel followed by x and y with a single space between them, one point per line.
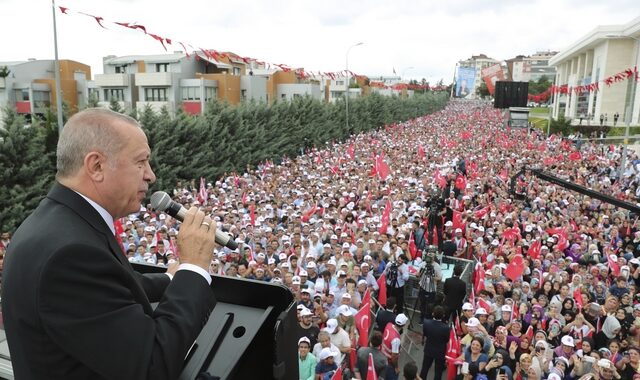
pixel 346 92
pixel 629 111
pixel 56 67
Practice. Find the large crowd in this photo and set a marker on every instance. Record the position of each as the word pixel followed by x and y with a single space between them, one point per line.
pixel 554 293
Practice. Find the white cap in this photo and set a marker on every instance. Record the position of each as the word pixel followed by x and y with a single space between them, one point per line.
pixel 506 309
pixel 305 312
pixel 481 311
pixel 467 306
pixel 327 353
pixel 344 310
pixel 448 224
pixel 458 230
pixel 346 295
pixel 346 245
pixel 295 280
pixel 604 363
pixel 341 273
pixel 554 376
pixel 567 340
pixel 303 273
pixel 311 265
pixel 331 326
pixel 401 319
pixel 304 339
pixel 473 322
pixel 331 262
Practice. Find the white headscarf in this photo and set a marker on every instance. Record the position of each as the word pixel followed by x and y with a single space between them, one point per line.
pixel 610 325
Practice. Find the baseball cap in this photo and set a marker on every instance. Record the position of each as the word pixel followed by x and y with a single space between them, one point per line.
pixel 458 230
pixel 327 353
pixel 567 341
pixel 473 322
pixel 304 339
pixel 346 245
pixel 481 311
pixel 311 265
pixel 295 280
pixel 305 312
pixel 506 308
pixel 467 306
pixel 346 295
pixel 401 319
pixel 331 262
pixel 331 326
pixel 341 273
pixel 344 310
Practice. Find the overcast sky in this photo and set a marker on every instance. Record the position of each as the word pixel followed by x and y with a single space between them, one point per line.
pixel 420 39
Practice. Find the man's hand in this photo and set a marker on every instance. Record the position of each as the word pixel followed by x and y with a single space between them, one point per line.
pixel 196 239
pixel 172 268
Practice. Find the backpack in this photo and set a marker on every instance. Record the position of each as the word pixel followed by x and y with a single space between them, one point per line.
pixel 392 275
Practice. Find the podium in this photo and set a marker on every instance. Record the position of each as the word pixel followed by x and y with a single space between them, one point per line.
pixel 250 334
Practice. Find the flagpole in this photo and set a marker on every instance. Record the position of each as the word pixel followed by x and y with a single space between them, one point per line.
pixel 57 69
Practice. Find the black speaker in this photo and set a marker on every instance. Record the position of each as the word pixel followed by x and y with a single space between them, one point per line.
pixel 511 94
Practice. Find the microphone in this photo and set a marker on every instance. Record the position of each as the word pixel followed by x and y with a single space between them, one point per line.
pixel 161 201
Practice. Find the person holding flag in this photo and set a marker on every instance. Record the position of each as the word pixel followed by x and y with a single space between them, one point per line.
pixel 374 350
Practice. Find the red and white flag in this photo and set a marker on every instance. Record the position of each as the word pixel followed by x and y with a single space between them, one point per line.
pixel 371 369
pixel 382 292
pixel 202 194
pixel 363 324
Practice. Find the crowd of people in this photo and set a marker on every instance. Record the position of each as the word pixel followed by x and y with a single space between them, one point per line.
pixel 554 294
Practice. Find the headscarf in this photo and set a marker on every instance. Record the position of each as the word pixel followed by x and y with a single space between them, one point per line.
pixel 609 326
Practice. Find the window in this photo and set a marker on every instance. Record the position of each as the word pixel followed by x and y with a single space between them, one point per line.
pixel 22 95
pixel 94 93
pixel 339 83
pixel 121 69
pixel 162 67
pixel 154 94
pixel 41 98
pixel 190 93
pixel 243 94
pixel 210 93
pixel 114 93
pixel 236 71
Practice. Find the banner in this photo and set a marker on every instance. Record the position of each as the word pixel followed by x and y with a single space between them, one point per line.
pixel 491 75
pixel 465 82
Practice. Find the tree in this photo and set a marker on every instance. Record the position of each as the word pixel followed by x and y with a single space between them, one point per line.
pixel 482 90
pixel 4 71
pixel 26 172
pixel 539 86
pixel 114 105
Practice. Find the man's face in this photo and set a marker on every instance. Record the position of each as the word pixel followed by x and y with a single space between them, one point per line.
pixel 126 175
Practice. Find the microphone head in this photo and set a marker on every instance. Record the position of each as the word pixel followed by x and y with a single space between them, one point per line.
pixel 160 201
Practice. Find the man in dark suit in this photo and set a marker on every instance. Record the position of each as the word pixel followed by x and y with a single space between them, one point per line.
pixel 454 292
pixel 386 315
pixel 73 307
pixel 435 336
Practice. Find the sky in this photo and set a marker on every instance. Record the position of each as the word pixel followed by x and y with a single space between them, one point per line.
pixel 417 39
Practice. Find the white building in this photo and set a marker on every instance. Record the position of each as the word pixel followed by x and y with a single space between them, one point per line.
pixel 603 52
pixel 478 62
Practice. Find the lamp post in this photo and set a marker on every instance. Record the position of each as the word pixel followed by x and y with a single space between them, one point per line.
pixel 629 111
pixel 346 93
pixel 57 69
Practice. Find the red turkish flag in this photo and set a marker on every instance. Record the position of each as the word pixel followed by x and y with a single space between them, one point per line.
pixel 529 333
pixel 461 182
pixel 351 150
pixel 371 369
pixel 383 168
pixel 453 351
pixel 382 292
pixel 421 154
pixel 337 375
pixel 548 161
pixel 515 268
pixel 457 221
pixel 511 233
pixel 363 323
pixel 613 265
pixel 386 215
pixel 575 156
pixel 577 296
pixel 353 357
pixel 478 277
pixel 503 175
pixel 252 214
pixel 479 214
pixel 367 296
pixel 440 181
pixel 307 215
pixel 534 249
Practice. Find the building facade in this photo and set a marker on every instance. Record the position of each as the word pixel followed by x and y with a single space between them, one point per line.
pixel 477 62
pixel 30 86
pixel 531 68
pixel 603 52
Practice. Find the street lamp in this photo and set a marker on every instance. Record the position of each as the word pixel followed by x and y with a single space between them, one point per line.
pixel 629 111
pixel 346 93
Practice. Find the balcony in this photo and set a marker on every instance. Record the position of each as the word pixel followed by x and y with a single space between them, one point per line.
pixel 154 79
pixel 112 80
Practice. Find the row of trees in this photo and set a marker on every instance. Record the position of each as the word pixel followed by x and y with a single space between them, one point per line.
pixel 224 139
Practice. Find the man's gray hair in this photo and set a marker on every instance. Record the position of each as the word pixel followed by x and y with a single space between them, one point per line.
pixel 87 131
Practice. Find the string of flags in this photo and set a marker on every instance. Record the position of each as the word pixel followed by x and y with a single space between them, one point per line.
pixel 212 53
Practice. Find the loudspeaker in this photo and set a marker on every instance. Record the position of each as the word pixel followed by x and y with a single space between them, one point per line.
pixel 511 94
pixel 250 334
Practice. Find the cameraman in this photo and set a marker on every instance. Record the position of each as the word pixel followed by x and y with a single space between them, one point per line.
pixel 436 210
pixel 430 275
pixel 397 274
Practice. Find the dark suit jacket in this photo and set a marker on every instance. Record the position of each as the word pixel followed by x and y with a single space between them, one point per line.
pixel 454 292
pixel 384 317
pixel 437 334
pixel 74 308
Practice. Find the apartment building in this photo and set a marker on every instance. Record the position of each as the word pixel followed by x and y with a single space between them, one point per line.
pixel 601 53
pixel 29 86
pixel 531 68
pixel 477 62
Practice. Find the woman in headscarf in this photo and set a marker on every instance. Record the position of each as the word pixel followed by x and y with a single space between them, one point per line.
pixel 610 328
pixel 499 364
pixel 567 306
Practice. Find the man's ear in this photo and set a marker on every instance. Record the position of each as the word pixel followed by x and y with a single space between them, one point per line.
pixel 94 165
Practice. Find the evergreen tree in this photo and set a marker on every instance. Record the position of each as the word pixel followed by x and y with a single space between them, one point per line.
pixel 26 172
